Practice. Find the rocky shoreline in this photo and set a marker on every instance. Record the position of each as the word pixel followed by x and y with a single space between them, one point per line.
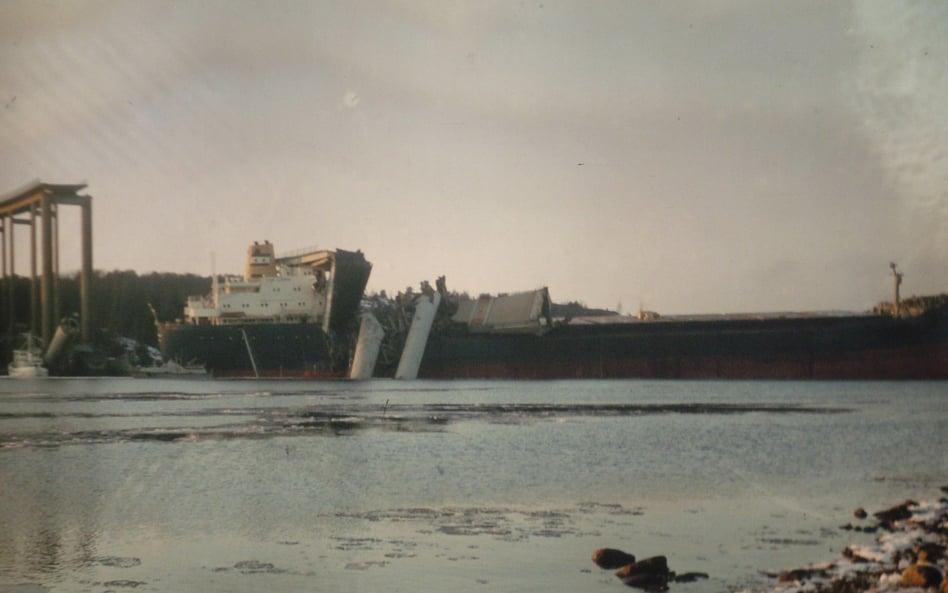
pixel 909 554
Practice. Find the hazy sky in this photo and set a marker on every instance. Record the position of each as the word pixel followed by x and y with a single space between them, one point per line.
pixel 709 156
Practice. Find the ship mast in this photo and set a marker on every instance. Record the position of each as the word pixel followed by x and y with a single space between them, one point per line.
pixel 215 287
pixel 897 281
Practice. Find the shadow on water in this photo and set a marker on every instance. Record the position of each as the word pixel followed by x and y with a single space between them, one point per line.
pixel 342 418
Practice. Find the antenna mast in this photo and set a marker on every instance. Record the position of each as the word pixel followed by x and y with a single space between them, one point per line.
pixel 215 287
pixel 897 281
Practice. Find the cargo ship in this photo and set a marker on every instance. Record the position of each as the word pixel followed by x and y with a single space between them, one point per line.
pixel 777 346
pixel 516 336
pixel 297 315
pixel 290 315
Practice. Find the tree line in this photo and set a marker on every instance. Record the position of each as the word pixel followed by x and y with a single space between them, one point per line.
pixel 120 301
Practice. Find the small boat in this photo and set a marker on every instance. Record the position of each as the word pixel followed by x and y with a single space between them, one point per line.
pixel 172 369
pixel 28 362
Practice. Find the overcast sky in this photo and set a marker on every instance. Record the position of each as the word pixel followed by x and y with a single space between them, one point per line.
pixel 709 156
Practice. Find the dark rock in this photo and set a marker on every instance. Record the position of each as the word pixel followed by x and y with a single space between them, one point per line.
pixel 860 513
pixel 801 574
pixel 647 581
pixel 650 574
pixel 899 512
pixel 921 575
pixel 855 583
pixel 933 552
pixel 689 577
pixel 610 558
pixel 653 564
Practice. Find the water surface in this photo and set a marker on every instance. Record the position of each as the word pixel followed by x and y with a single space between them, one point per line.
pixel 208 485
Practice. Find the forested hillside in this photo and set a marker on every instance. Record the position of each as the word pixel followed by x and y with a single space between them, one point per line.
pixel 120 301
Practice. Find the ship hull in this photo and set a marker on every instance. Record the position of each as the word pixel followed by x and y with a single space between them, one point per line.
pixel 268 350
pixel 869 347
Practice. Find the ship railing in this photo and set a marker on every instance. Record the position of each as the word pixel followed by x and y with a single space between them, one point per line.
pixel 200 302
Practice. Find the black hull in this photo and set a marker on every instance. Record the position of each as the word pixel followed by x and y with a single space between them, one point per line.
pixel 279 349
pixel 870 347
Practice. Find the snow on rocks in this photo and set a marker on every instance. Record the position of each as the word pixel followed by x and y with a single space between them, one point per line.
pixel 909 555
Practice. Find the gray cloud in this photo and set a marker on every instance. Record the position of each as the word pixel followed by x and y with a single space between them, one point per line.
pixel 697 157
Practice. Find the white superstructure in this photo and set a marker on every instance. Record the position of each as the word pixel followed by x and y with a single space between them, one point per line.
pixel 286 289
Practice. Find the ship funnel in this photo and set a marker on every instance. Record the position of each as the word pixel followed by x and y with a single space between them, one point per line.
pixel 261 261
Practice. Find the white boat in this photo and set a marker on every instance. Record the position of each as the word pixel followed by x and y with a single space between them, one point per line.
pixel 28 362
pixel 172 369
